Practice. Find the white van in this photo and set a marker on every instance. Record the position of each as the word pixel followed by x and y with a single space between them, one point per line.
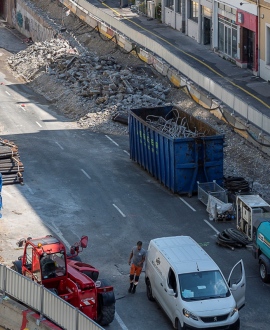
pixel 190 287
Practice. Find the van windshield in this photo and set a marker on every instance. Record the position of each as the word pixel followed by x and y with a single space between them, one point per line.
pixel 203 285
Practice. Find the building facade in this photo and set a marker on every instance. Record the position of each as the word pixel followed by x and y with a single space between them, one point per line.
pixel 227 26
pixel 264 39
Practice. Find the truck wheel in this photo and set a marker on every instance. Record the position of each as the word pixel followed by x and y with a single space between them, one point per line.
pixel 263 272
pixel 77 258
pixel 105 313
pixel 149 291
pixel 91 274
pixel 17 267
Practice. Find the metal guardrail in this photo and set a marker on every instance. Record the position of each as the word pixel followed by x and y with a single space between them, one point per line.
pixel 43 301
pixel 241 107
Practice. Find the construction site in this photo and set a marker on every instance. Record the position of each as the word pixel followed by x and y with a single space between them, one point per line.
pixel 100 147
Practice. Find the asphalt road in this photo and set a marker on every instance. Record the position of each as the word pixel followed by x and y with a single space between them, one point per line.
pixel 83 183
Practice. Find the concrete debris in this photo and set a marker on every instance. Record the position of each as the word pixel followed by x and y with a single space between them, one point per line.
pixel 98 82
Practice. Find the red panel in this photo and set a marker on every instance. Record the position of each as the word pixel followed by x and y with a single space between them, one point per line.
pixel 250 21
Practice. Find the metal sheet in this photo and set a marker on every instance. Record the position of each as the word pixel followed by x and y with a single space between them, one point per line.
pixel 178 163
pixel 85 323
pixel 59 311
pixel 23 289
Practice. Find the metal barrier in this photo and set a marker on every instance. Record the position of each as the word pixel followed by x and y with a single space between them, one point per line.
pixel 241 107
pixel 43 301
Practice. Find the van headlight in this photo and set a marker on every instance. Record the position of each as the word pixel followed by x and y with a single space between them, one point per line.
pixel 234 311
pixel 189 315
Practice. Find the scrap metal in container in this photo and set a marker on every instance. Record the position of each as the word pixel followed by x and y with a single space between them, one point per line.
pixel 175 147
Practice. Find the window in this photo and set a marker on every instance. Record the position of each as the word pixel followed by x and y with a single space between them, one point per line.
pixel 203 285
pixel 221 36
pixel 35 267
pixel 178 4
pixel 53 265
pixel 194 11
pixel 221 6
pixel 172 281
pixel 28 261
pixel 170 4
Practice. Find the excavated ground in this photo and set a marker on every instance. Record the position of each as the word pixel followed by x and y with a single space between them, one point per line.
pixel 110 82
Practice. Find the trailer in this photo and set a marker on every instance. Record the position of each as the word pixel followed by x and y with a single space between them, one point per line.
pixel 178 163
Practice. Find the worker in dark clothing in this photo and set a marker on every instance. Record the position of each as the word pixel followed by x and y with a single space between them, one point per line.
pixel 138 255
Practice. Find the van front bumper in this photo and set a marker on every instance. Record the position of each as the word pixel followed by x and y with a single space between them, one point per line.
pixel 234 326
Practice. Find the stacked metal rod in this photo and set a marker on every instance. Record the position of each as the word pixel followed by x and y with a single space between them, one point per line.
pixel 11 166
pixel 174 127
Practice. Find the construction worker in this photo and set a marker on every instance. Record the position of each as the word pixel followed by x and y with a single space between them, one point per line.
pixel 138 255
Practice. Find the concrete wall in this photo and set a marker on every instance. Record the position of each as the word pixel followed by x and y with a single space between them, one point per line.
pixel 14 316
pixel 192 28
pixel 30 24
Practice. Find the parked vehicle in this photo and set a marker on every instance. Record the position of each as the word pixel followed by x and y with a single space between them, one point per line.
pixel 261 245
pixel 191 288
pixel 45 262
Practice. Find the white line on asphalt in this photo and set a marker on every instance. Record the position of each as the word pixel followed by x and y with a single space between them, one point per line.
pixel 8 194
pixel 59 145
pixel 7 93
pixel 187 204
pixel 22 108
pixel 117 208
pixel 119 320
pixel 31 191
pixel 38 124
pixel 126 152
pixel 112 140
pixel 58 232
pixel 85 174
pixel 209 224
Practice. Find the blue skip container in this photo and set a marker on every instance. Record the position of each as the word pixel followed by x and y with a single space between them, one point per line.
pixel 178 163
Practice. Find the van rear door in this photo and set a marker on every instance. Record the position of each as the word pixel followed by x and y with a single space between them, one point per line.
pixel 237 284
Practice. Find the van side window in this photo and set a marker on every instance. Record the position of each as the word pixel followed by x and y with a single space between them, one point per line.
pixel 172 281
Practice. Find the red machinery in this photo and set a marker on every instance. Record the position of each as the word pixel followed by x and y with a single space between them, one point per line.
pixel 46 262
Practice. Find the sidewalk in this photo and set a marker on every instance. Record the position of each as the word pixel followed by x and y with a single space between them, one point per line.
pixel 253 90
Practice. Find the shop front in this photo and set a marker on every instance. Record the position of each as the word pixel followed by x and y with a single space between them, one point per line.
pixel 248 39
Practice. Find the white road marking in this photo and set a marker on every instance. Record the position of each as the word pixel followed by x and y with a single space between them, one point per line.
pixel 59 145
pixel 22 108
pixel 117 208
pixel 8 194
pixel 7 93
pixel 119 320
pixel 187 204
pixel 38 124
pixel 58 232
pixel 209 224
pixel 31 191
pixel 126 152
pixel 112 140
pixel 86 174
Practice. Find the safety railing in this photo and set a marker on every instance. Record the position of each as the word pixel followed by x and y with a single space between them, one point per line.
pixel 240 106
pixel 43 301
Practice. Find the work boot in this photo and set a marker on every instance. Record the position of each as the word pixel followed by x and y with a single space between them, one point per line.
pixel 134 288
pixel 130 287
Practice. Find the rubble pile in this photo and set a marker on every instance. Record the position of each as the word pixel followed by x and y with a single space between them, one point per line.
pixel 95 86
pixel 28 62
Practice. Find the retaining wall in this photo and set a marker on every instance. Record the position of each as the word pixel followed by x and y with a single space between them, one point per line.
pixel 14 316
pixel 30 24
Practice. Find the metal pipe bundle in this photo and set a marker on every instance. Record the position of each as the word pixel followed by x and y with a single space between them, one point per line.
pixel 11 166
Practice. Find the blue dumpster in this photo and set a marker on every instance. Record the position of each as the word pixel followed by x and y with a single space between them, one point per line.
pixel 178 163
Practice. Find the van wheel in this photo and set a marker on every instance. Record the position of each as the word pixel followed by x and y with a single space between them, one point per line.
pixel 263 272
pixel 149 291
pixel 179 327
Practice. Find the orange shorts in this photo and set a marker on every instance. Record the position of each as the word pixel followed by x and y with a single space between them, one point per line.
pixel 136 270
